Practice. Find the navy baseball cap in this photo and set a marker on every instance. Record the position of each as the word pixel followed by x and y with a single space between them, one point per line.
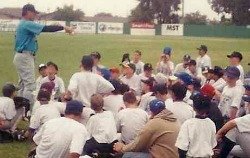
pixel 167 50
pixel 8 89
pixel 29 7
pixel 218 71
pixel 232 72
pixel 87 60
pixel 156 106
pixel 235 55
pixel 246 98
pixel 203 47
pixel 185 78
pixel 74 107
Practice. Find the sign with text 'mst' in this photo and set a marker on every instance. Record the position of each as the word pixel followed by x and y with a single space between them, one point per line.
pixel 172 29
pixel 110 28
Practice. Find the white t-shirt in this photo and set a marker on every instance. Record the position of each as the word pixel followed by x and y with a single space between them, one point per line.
pixel 243 123
pixel 59 85
pixel 139 67
pixel 102 127
pixel 84 84
pixel 165 68
pixel 181 110
pixel 43 114
pixel 7 108
pixel 219 84
pixel 145 100
pixel 134 83
pixel 197 137
pixel 241 73
pixel 113 103
pixel 204 61
pixel 230 97
pixel 179 68
pixel 59 137
pixel 129 122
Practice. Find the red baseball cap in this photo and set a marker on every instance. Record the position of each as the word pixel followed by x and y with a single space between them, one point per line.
pixel 208 90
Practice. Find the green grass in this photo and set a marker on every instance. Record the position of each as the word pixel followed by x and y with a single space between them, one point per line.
pixel 67 51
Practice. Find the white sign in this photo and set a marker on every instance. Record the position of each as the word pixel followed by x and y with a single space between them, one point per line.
pixel 110 28
pixel 172 29
pixel 8 25
pixel 139 31
pixel 84 27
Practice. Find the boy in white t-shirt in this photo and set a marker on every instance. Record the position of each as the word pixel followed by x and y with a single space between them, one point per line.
pixel 85 83
pixel 131 120
pixel 234 60
pixel 114 101
pixel 43 113
pixel 52 71
pixel 101 127
pixel 147 91
pixel 230 98
pixel 8 114
pixel 165 65
pixel 219 83
pixel 203 60
pixel 62 137
pixel 181 67
pixel 147 72
pixel 179 108
pixel 137 61
pixel 197 136
pixel 131 78
pixel 42 72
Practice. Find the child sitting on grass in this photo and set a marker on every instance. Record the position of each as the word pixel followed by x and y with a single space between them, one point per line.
pixel 197 136
pixel 101 127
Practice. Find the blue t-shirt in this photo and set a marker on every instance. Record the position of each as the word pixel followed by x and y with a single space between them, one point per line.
pixel 26 33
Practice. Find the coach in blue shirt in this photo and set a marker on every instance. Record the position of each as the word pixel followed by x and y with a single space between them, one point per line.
pixel 26 47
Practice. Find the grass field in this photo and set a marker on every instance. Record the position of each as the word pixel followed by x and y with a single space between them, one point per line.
pixel 67 51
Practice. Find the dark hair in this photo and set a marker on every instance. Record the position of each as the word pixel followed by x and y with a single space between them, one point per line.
pixel 97 102
pixel 138 52
pixel 8 90
pixel 125 57
pixel 160 88
pixel 129 97
pixel 87 62
pixel 117 85
pixel 201 103
pixel 124 88
pixel 50 63
pixel 43 95
pixel 179 90
pixel 96 55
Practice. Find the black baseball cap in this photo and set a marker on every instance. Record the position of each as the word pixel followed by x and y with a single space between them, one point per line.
pixel 218 71
pixel 203 47
pixel 148 67
pixel 74 107
pixel 235 55
pixel 29 7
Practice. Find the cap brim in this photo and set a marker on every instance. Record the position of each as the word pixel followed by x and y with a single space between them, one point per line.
pixel 198 48
pixel 229 56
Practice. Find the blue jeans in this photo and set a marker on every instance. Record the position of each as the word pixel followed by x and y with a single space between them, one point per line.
pixel 136 155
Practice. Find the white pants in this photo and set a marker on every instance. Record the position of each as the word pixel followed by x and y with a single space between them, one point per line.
pixel 25 66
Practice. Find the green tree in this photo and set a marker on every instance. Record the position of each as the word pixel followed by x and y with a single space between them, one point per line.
pixel 195 18
pixel 67 13
pixel 238 9
pixel 164 11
